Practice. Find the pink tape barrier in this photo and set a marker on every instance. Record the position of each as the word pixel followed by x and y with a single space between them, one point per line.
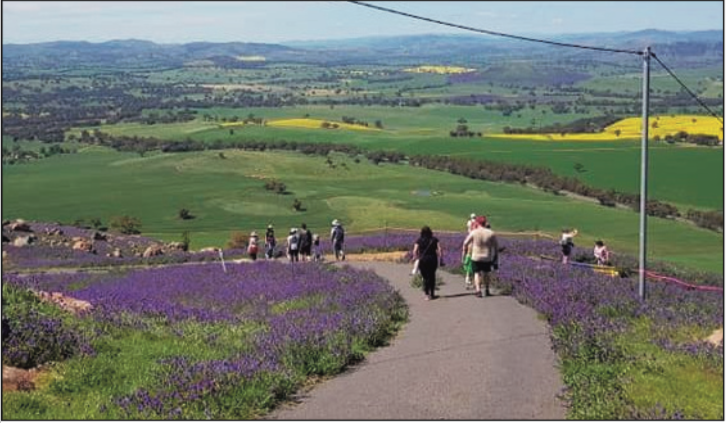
pixel 682 283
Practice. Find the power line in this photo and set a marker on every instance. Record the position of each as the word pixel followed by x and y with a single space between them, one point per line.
pixel 694 96
pixel 537 40
pixel 500 34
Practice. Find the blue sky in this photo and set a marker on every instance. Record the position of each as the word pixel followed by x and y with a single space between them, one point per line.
pixel 272 22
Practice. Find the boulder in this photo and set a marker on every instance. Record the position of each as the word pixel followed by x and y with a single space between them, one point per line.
pixel 98 236
pixel 153 250
pixel 15 379
pixel 5 255
pixel 172 246
pixel 116 253
pixel 23 241
pixel 83 245
pixel 20 226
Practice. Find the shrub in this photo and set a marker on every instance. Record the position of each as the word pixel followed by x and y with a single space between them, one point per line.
pixel 127 225
pixel 185 214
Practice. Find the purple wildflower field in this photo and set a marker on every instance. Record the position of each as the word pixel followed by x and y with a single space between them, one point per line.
pixel 314 319
pixel 61 254
pixel 343 311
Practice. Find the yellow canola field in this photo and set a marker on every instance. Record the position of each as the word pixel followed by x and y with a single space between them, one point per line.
pixel 439 69
pixel 630 128
pixel 316 124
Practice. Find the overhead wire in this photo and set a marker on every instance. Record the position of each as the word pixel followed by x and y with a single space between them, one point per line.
pixel 537 40
pixel 500 34
pixel 694 96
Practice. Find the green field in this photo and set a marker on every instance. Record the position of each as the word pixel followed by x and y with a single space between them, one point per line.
pixel 686 176
pixel 227 194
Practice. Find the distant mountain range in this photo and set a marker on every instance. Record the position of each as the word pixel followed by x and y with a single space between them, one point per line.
pixel 703 46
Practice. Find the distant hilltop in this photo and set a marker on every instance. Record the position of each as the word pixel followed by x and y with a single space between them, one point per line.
pixel 704 45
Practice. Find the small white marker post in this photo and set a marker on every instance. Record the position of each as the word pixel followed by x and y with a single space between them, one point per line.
pixel 222 259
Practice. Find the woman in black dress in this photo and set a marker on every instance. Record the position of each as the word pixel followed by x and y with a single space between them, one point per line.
pixel 428 251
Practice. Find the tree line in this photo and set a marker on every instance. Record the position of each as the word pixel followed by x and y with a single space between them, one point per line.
pixel 540 177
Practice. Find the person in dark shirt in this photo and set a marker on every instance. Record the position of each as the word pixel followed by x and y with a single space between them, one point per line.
pixel 306 242
pixel 428 251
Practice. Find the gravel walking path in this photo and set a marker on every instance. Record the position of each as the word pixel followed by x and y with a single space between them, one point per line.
pixel 458 358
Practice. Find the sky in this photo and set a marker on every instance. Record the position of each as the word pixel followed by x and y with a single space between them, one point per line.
pixel 276 22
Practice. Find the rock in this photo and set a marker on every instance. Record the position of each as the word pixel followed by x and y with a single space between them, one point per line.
pixel 20 226
pixel 209 250
pixel 15 379
pixel 5 238
pixel 116 253
pixel 83 245
pixel 23 241
pixel 54 232
pixel 153 250
pixel 5 255
pixel 716 337
pixel 175 246
pixel 98 236
pixel 67 303
pixel 6 223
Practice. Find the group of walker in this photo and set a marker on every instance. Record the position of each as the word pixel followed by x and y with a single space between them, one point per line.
pixel 480 255
pixel 301 245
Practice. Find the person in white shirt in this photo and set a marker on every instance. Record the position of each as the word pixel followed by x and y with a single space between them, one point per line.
pixel 600 252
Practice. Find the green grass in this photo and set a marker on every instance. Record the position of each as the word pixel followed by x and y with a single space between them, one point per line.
pixel 126 361
pixel 686 176
pixel 227 195
pixel 660 377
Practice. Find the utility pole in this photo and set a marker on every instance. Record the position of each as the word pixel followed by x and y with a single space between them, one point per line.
pixel 644 172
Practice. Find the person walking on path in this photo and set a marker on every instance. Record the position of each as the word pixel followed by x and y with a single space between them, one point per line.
pixel 337 239
pixel 428 250
pixel 484 254
pixel 306 242
pixel 252 246
pixel 293 245
pixel 566 243
pixel 317 256
pixel 270 242
pixel 600 252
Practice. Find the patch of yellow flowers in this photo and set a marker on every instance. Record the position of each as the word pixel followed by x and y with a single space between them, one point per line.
pixel 316 124
pixel 630 128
